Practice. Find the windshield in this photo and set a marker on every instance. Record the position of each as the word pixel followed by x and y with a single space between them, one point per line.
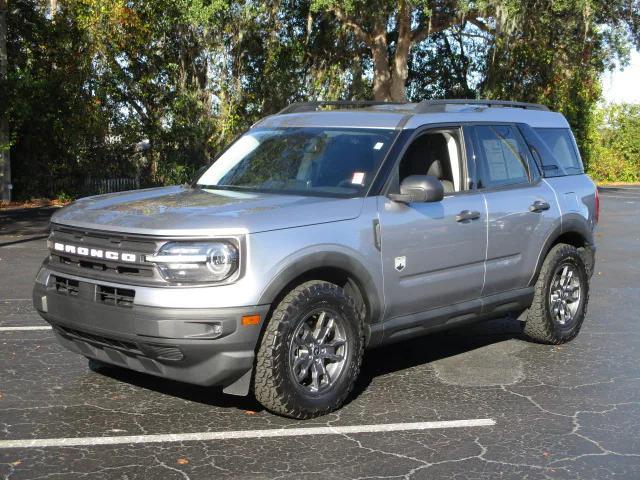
pixel 315 161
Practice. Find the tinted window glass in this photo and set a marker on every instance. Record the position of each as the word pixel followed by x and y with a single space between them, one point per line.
pixel 565 159
pixel 502 161
pixel 314 161
pixel 438 154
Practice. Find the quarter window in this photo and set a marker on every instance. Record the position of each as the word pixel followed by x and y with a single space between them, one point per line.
pixel 565 159
pixel 502 161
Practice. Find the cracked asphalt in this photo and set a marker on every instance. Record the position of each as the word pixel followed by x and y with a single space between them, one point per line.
pixel 561 412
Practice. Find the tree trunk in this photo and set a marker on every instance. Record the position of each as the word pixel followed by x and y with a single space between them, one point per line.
pixel 5 162
pixel 401 57
pixel 357 85
pixel 390 72
pixel 380 54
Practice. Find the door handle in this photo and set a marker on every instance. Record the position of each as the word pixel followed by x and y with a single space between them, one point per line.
pixel 466 215
pixel 539 206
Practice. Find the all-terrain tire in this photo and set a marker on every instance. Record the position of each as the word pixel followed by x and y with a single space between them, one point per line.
pixel 273 384
pixel 540 324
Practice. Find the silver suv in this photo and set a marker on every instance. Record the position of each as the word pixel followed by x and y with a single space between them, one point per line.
pixel 324 230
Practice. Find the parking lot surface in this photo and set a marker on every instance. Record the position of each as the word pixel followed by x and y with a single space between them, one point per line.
pixel 477 402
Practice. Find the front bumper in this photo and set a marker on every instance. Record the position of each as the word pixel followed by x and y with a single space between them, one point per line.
pixel 192 345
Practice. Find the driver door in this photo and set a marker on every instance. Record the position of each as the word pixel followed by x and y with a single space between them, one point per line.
pixel 433 253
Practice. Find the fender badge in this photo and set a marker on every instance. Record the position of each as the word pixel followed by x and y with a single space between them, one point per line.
pixel 401 262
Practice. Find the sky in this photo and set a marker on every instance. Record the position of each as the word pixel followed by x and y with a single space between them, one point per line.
pixel 623 86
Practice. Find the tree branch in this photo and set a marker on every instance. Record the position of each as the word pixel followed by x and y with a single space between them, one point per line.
pixel 481 25
pixel 350 23
pixel 439 21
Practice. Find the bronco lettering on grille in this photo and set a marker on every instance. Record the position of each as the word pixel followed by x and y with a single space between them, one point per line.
pixel 95 252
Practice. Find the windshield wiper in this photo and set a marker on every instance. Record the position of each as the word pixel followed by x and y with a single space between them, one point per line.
pixel 223 187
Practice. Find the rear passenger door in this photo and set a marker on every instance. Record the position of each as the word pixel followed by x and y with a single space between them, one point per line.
pixel 522 208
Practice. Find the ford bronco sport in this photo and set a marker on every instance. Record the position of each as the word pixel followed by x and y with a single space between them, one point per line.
pixel 324 230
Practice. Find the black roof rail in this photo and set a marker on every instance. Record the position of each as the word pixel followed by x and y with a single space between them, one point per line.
pixel 425 106
pixel 299 107
pixel 440 105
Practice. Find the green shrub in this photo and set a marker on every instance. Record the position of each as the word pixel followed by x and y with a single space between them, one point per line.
pixel 64 197
pixel 614 144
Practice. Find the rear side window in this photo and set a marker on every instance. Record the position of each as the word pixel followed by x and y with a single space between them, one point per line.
pixel 502 159
pixel 565 159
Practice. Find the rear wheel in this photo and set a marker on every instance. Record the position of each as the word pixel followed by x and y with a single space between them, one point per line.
pixel 311 352
pixel 560 299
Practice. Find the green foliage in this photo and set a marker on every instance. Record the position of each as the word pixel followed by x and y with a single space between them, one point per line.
pixel 446 66
pixel 64 198
pixel 91 81
pixel 614 141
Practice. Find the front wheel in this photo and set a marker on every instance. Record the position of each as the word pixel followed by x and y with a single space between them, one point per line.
pixel 310 353
pixel 560 299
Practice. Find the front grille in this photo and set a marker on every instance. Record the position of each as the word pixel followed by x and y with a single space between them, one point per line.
pixel 119 297
pixel 67 286
pixel 91 292
pixel 138 271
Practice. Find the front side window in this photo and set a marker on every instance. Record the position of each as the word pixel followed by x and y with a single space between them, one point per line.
pixel 306 161
pixel 436 153
pixel 502 159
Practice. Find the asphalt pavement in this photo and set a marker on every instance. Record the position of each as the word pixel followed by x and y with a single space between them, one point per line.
pixel 476 402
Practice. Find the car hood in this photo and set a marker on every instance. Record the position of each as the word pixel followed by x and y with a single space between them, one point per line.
pixel 184 211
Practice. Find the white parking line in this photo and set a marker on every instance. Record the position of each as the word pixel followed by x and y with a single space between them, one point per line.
pixel 24 329
pixel 243 434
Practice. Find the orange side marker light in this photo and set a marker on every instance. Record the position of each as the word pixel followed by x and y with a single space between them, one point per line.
pixel 250 320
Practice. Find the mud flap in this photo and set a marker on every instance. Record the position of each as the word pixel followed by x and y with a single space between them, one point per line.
pixel 241 386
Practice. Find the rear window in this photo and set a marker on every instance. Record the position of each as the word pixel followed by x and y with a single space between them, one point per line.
pixel 565 159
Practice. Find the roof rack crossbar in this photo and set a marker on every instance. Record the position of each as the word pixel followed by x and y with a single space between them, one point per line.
pixel 299 107
pixel 439 105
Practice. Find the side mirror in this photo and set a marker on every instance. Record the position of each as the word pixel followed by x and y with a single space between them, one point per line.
pixel 419 188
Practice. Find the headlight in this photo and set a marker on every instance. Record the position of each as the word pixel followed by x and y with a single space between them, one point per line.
pixel 196 262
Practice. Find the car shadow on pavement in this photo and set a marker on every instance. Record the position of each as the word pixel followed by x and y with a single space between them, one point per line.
pixel 212 396
pixel 381 361
pixel 437 346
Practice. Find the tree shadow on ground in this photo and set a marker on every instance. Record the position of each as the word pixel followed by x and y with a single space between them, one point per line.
pixel 25 221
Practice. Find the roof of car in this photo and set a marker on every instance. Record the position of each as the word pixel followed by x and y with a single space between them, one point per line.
pixel 412 115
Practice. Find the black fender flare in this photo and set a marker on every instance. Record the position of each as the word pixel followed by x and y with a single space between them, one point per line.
pixel 571 223
pixel 338 260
